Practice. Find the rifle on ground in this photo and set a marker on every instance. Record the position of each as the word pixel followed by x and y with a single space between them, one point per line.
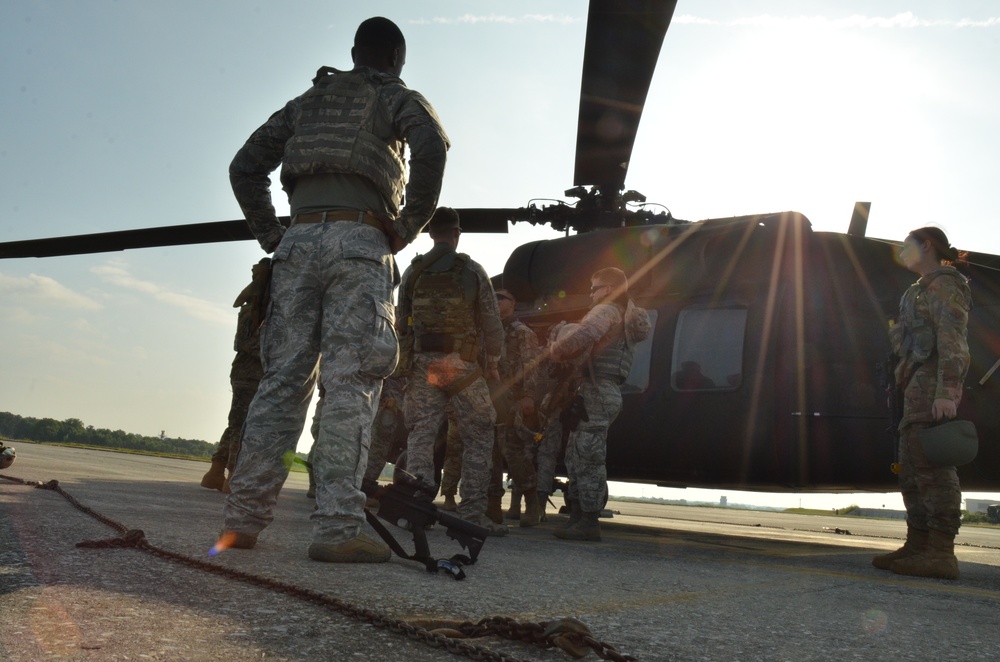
pixel 407 504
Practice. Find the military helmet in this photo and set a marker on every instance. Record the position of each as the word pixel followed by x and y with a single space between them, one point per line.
pixel 950 444
pixel 7 455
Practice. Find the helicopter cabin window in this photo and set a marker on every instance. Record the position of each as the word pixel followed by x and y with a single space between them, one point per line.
pixel 638 376
pixel 708 349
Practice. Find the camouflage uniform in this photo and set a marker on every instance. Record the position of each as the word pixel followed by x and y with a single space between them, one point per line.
pixel 437 378
pixel 387 428
pixel 930 340
pixel 561 386
pixel 452 459
pixel 340 147
pixel 246 371
pixel 603 334
pixel 518 374
pixel 549 449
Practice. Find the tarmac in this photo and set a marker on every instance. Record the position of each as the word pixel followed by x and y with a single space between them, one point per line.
pixel 667 582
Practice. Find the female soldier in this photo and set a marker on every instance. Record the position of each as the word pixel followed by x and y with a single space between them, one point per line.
pixel 930 341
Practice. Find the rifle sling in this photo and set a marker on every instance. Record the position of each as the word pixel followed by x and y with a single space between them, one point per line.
pixel 383 532
pixel 459 385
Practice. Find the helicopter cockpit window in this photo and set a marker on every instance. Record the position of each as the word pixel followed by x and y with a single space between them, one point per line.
pixel 708 349
pixel 638 376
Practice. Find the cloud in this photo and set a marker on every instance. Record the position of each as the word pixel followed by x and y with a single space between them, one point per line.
pixel 192 306
pixel 471 19
pixel 44 290
pixel 902 20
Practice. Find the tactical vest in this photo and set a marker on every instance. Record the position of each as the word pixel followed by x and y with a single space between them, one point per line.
pixel 335 133
pixel 253 302
pixel 444 305
pixel 918 341
pixel 612 357
pixel 512 367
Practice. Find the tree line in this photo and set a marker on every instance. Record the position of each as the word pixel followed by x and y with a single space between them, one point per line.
pixel 73 431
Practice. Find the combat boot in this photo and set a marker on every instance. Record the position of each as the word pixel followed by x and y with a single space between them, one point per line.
pixel 574 516
pixel 937 561
pixel 449 504
pixel 514 512
pixel 916 542
pixel 230 539
pixel 586 528
pixel 358 550
pixel 215 477
pixel 532 513
pixel 494 509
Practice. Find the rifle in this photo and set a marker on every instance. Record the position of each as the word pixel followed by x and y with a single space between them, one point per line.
pixel 894 400
pixel 406 503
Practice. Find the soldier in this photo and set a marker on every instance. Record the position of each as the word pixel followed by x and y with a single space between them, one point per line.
pixel 340 146
pixel 245 374
pixel 607 335
pixel 549 449
pixel 388 430
pixel 447 309
pixel 930 341
pixel 519 384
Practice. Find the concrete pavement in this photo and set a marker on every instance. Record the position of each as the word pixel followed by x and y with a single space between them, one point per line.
pixel 668 582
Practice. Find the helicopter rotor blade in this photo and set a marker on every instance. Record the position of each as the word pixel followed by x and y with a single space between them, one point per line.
pixel 473 220
pixel 487 220
pixel 859 219
pixel 623 44
pixel 105 242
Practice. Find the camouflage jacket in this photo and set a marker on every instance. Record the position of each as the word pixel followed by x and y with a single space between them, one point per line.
pixel 487 312
pixel 519 360
pixel 407 117
pixel 932 328
pixel 608 337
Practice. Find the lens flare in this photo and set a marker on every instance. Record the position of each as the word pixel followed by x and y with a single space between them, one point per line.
pixel 225 542
pixel 874 622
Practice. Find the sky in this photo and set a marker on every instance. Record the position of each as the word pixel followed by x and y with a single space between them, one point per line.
pixel 126 114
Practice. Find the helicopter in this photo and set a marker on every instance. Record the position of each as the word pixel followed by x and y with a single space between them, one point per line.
pixel 768 363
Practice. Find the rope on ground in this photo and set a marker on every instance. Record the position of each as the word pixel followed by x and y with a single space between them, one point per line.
pixel 568 634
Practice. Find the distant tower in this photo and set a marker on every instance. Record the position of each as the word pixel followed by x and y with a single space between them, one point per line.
pixel 723 501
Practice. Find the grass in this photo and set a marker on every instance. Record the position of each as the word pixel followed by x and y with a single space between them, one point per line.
pixel 296 466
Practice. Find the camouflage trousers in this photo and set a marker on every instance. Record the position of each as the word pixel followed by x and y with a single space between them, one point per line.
pixel 587 450
pixel 918 396
pixel 244 377
pixel 424 408
pixel 548 455
pixel 452 460
pixel 495 488
pixel 519 451
pixel 931 494
pixel 383 436
pixel 330 294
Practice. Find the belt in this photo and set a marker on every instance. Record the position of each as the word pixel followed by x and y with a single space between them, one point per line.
pixel 365 217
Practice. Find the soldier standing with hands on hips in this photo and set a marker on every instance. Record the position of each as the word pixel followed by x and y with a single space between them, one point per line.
pixel 340 146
